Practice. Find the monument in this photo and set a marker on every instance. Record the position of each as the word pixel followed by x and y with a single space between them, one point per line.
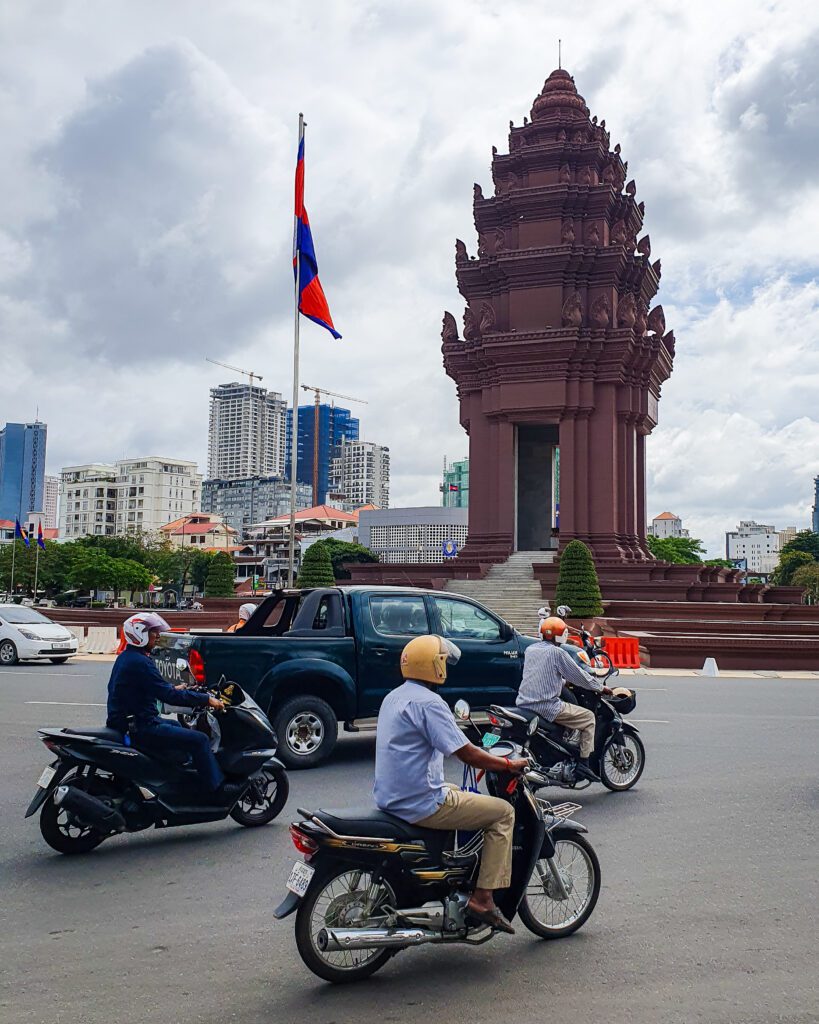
pixel 562 357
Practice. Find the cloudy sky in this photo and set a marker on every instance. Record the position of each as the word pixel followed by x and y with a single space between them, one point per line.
pixel 146 216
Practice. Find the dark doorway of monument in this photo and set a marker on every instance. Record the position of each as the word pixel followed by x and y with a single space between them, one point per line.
pixel 538 487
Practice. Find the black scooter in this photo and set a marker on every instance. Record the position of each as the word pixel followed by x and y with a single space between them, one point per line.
pixel 618 756
pixel 371 884
pixel 99 785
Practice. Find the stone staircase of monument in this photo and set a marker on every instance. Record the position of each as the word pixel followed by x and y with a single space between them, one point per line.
pixel 509 589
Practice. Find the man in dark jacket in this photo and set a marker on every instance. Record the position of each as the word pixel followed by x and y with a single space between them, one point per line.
pixel 133 690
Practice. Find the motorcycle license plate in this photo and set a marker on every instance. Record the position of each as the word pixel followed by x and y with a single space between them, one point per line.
pixel 300 876
pixel 489 739
pixel 46 777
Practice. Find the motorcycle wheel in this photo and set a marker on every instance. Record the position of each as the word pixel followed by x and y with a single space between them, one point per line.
pixel 340 899
pixel 264 799
pixel 63 835
pixel 547 915
pixel 621 765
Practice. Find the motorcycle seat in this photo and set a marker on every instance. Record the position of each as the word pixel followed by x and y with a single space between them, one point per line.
pixel 555 731
pixel 374 823
pixel 104 733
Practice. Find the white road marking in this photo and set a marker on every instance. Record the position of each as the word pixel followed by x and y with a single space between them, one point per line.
pixel 650 721
pixel 46 672
pixel 67 703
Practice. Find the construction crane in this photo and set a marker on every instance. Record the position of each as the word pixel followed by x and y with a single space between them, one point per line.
pixel 316 416
pixel 251 376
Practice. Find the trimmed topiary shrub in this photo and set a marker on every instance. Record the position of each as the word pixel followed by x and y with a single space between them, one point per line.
pixel 316 568
pixel 221 576
pixel 577 584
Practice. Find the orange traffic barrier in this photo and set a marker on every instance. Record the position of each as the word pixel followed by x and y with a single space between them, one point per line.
pixel 624 651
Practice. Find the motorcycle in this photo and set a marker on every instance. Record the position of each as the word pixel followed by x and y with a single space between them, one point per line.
pixel 618 756
pixel 370 884
pixel 100 785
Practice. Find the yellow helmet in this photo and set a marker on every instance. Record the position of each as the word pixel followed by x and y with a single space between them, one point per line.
pixel 425 659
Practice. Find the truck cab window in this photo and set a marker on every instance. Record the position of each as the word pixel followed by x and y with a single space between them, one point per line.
pixel 399 615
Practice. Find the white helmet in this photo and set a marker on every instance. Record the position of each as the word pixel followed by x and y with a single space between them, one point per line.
pixel 245 611
pixel 137 628
pixel 543 613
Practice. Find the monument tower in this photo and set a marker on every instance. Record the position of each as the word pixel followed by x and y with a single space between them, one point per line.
pixel 562 358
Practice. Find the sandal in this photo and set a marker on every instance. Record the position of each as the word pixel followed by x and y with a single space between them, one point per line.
pixel 492 917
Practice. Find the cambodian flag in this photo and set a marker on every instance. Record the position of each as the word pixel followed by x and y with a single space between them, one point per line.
pixel 40 541
pixel 21 532
pixel 312 302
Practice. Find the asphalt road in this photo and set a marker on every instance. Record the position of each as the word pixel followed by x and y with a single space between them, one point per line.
pixel 707 911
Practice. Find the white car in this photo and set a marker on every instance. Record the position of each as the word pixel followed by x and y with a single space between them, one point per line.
pixel 26 633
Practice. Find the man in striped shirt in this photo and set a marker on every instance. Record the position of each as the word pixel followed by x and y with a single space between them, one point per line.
pixel 546 667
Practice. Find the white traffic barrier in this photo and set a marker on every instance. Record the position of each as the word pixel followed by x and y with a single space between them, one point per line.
pixel 710 667
pixel 79 633
pixel 102 640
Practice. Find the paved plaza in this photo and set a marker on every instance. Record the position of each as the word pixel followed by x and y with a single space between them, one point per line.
pixel 707 910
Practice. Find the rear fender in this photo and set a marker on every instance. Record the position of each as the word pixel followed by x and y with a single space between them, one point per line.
pixel 565 825
pixel 40 797
pixel 320 678
pixel 288 905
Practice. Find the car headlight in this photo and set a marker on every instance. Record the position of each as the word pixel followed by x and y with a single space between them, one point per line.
pixel 28 634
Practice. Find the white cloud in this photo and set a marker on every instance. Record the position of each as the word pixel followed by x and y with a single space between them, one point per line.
pixel 146 203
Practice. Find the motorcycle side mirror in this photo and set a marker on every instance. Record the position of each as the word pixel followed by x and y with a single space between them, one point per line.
pixel 531 728
pixel 462 710
pixel 181 665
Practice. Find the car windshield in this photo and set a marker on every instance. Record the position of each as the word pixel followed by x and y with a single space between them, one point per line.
pixel 19 615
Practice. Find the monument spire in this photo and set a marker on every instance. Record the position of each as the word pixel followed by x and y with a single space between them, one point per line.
pixel 562 361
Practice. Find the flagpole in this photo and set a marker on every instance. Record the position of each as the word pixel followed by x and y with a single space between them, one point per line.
pixel 13 556
pixel 294 450
pixel 36 570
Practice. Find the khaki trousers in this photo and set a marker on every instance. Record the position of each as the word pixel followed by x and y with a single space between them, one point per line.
pixel 572 716
pixel 472 811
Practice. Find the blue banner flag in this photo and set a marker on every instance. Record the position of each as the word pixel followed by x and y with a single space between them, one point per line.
pixel 21 532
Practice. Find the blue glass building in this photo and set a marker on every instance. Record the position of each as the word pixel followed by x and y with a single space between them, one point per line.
pixel 336 425
pixel 22 469
pixel 815 516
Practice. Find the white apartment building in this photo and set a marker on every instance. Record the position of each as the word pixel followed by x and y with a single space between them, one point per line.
pixel 153 491
pixel 51 497
pixel 666 524
pixel 755 542
pixel 360 474
pixel 247 433
pixel 88 501
pixel 131 496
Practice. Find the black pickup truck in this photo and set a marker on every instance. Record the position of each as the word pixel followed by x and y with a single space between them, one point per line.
pixel 314 658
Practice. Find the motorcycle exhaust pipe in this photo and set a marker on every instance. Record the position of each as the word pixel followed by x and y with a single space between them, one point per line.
pixel 89 809
pixel 335 940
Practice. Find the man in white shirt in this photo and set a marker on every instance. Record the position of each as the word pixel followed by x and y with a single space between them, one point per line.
pixel 416 730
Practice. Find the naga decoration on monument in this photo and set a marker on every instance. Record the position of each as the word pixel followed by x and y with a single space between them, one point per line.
pixel 563 355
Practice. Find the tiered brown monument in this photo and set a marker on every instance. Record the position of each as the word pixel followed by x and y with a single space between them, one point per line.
pixel 559 367
pixel 562 358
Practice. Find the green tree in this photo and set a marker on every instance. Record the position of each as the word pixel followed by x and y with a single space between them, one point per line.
pixel 316 568
pixel 341 551
pixel 577 583
pixel 134 546
pixel 805 540
pixel 807 576
pixel 92 569
pixel 789 562
pixel 221 576
pixel 130 575
pixel 200 568
pixel 680 550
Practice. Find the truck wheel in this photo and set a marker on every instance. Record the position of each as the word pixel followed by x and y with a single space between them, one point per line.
pixel 307 729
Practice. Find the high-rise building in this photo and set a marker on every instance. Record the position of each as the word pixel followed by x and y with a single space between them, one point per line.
pixel 455 486
pixel 815 516
pixel 131 496
pixel 22 469
pixel 787 535
pixel 241 503
pixel 51 497
pixel 360 475
pixel 756 544
pixel 246 434
pixel 335 426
